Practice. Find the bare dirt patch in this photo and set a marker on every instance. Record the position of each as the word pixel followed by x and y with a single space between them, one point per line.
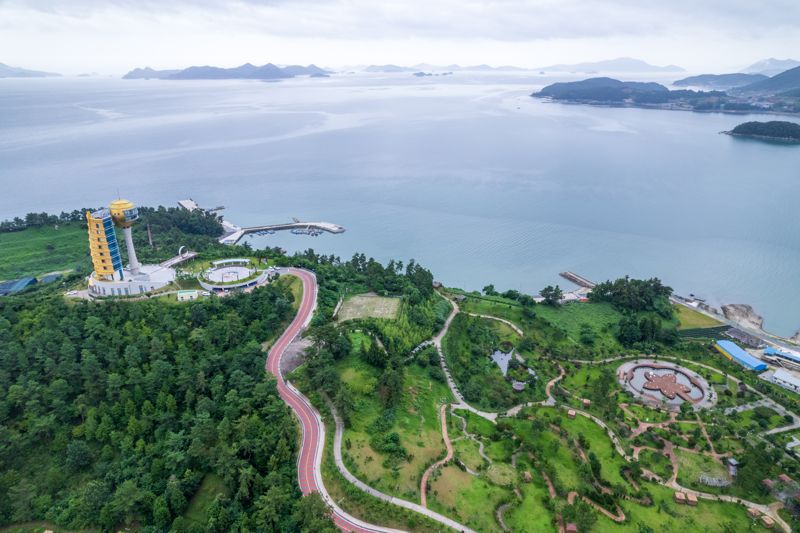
pixel 369 305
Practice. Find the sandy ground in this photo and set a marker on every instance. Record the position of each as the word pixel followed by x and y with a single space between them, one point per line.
pixel 294 355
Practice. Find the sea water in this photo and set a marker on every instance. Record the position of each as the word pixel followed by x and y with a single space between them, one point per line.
pixel 465 173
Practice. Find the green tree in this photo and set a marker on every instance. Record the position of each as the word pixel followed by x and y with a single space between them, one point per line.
pixel 552 295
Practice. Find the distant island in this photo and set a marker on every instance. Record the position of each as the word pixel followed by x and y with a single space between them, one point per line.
pixel 719 81
pixel 7 71
pixel 609 91
pixel 775 130
pixel 247 71
pixel 620 64
pixel 788 80
pixel 771 66
pixel 779 94
pixel 423 67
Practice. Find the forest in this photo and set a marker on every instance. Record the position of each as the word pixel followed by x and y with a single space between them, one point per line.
pixel 774 129
pixel 114 414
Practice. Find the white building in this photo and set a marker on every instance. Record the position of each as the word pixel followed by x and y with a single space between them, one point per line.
pixel 184 296
pixel 787 380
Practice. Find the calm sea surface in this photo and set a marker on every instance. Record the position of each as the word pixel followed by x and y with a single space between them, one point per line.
pixel 467 174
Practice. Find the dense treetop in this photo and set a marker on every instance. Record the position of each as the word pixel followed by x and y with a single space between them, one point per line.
pixel 112 414
pixel 775 129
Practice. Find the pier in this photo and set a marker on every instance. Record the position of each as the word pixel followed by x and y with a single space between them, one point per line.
pixel 313 228
pixel 233 233
pixel 577 280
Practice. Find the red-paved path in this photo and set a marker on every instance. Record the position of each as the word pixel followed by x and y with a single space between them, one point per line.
pixel 310 456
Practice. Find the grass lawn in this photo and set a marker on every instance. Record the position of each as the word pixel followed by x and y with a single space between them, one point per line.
pixel 656 462
pixel 693 465
pixel 476 424
pixel 469 499
pixel 599 443
pixel 578 381
pixel 531 515
pixel 691 319
pixel 466 451
pixel 750 419
pixel 369 305
pixel 417 423
pixel 197 510
pixel 571 316
pixel 296 286
pixel 37 251
pixel 555 449
pixel 501 474
pixel 665 515
pixel 646 414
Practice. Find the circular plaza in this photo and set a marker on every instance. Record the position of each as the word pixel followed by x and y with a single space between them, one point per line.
pixel 665 385
pixel 229 274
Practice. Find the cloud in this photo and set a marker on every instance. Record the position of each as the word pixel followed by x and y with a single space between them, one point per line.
pixel 530 32
pixel 512 20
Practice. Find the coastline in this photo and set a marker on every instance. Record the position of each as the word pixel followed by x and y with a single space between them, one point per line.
pixel 665 107
pixel 778 140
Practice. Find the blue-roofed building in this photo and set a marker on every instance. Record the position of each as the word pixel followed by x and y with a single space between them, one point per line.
pixel 782 358
pixel 15 285
pixel 733 352
pixel 50 278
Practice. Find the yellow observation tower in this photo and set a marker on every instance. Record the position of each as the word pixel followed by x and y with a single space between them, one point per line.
pixel 124 214
pixel 110 278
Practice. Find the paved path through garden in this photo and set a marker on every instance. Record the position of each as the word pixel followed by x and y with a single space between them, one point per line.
pixel 423 486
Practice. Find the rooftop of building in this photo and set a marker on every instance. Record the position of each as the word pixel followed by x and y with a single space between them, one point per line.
pixel 733 349
pixel 787 377
pixel 15 285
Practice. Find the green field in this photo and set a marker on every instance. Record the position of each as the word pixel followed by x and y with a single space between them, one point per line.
pixel 531 515
pixel 665 515
pixel 369 305
pixel 417 423
pixel 656 462
pixel 467 498
pixel 36 251
pixel 572 316
pixel 692 465
pixel 209 489
pixel 691 319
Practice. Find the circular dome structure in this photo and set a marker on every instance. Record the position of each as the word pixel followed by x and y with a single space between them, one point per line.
pixel 124 213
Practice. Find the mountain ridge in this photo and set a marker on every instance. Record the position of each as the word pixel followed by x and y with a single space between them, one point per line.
pixel 788 80
pixel 248 71
pixel 771 66
pixel 7 71
pixel 720 81
pixel 620 64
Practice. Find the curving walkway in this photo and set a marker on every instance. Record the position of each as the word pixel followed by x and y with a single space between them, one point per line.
pixel 510 324
pixel 337 455
pixel 460 403
pixel 423 486
pixel 548 389
pixel 668 448
pixel 309 458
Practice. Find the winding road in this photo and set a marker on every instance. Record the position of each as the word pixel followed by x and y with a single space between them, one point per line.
pixel 309 459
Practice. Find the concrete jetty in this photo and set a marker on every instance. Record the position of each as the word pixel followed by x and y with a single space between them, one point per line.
pixel 234 233
pixel 577 280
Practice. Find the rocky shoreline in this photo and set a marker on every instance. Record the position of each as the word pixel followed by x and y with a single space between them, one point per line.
pixel 781 140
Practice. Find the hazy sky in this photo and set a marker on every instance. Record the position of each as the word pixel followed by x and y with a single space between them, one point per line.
pixel 113 36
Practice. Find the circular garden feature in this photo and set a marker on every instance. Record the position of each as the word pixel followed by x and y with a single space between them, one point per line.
pixel 228 274
pixel 665 385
